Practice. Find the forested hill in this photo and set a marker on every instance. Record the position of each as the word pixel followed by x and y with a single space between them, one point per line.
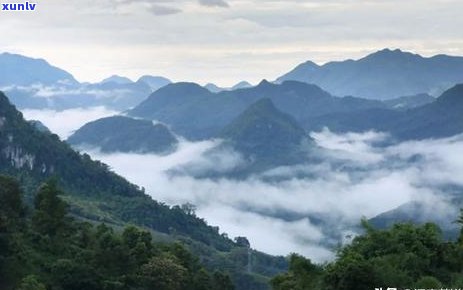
pixel 42 247
pixel 34 156
pixel 97 194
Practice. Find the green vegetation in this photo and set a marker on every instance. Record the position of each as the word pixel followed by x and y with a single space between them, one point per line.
pixel 96 194
pixel 45 248
pixel 404 256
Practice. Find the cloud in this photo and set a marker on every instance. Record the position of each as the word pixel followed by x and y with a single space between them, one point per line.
pixel 228 45
pixel 307 208
pixel 64 123
pixel 164 10
pixel 310 207
pixel 214 3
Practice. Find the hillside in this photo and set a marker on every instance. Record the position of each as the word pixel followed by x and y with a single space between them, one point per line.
pixel 48 249
pixel 23 71
pixel 382 75
pixel 266 137
pixel 97 194
pixel 123 134
pixel 441 118
pixel 196 113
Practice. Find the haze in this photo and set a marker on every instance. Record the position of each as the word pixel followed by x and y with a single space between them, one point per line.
pixel 224 41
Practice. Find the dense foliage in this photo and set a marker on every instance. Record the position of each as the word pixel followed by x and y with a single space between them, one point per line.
pixel 47 249
pixel 405 256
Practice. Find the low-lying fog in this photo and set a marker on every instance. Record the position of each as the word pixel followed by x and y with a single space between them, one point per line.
pixel 360 177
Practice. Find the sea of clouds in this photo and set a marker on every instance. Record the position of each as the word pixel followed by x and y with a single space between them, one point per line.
pixel 306 208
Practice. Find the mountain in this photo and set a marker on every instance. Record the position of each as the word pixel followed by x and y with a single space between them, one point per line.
pixel 383 75
pixel 117 79
pixel 420 213
pixel 409 102
pixel 39 126
pixel 96 194
pixel 263 126
pixel 196 113
pixel 441 118
pixel 266 136
pixel 241 85
pixel 116 95
pixel 25 71
pixel 154 82
pixel 35 84
pixel 213 88
pixel 124 134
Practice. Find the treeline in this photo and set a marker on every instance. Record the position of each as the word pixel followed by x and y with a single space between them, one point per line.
pixel 45 249
pixel 405 256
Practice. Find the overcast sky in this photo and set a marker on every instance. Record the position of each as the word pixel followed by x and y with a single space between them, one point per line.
pixel 224 41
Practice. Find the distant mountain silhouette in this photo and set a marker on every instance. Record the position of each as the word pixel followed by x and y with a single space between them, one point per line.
pixel 35 84
pixel 409 102
pixel 266 136
pixel 19 70
pixel 263 129
pixel 441 118
pixel 197 113
pixel 382 75
pixel 117 79
pixel 154 82
pixel 215 89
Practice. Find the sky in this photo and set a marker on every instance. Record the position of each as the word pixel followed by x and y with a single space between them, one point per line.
pixel 224 41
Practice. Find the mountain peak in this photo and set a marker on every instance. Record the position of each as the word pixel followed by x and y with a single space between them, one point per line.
pixel 265 84
pixel 117 79
pixel 154 82
pixel 262 123
pixel 388 54
pixel 21 70
pixel 184 88
pixel 241 85
pixel 453 95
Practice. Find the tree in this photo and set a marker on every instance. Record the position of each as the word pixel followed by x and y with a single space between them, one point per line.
pixel 242 242
pixel 221 281
pixel 11 213
pixel 50 210
pixel 302 274
pixel 31 282
pixel 163 273
pixel 460 222
pixel 11 207
pixel 139 245
pixel 428 282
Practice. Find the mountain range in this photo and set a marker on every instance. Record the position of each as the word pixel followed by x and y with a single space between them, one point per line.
pixel 382 75
pixel 96 194
pixel 35 84
pixel 441 118
pixel 196 113
pixel 215 89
